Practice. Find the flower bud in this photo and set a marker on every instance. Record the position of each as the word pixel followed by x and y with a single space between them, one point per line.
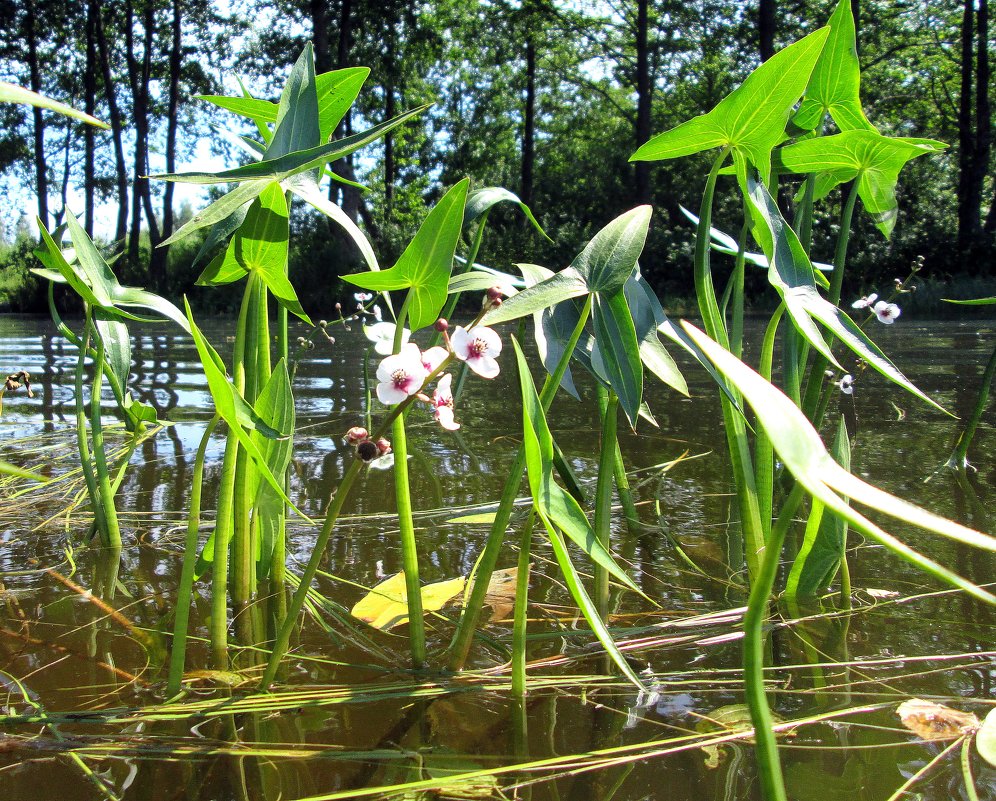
pixel 441 325
pixel 383 446
pixel 367 451
pixel 356 435
pixel 495 293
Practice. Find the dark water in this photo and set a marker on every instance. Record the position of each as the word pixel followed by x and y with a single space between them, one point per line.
pixel 350 719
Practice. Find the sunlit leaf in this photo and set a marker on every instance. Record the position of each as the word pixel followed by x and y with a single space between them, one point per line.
pixel 869 158
pixel 985 739
pixel 297 113
pixel 306 189
pixel 834 86
pixel 750 120
pixel 482 200
pixel 791 274
pixel 386 605
pixel 11 93
pixel 609 259
pixel 802 452
pixel 424 267
pixel 617 351
pixel 550 499
pixel 474 519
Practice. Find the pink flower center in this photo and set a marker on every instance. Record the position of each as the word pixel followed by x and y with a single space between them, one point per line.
pixel 399 378
pixel 478 347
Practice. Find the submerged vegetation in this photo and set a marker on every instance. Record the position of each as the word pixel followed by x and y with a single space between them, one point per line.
pixel 230 652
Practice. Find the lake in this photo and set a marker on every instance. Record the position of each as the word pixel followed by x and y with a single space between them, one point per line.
pixel 349 714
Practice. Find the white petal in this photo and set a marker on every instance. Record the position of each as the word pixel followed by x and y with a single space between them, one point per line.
pixel 460 340
pixel 489 336
pixel 484 366
pixel 389 395
pixel 443 387
pixel 434 357
pixel 444 414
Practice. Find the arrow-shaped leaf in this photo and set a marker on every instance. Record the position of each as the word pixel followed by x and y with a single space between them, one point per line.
pixel 424 267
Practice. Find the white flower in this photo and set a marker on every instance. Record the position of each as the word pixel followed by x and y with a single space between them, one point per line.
pixel 846 384
pixel 865 302
pixel 433 357
pixel 886 312
pixel 442 403
pixel 382 335
pixel 478 347
pixel 363 297
pixel 400 375
pixel 377 313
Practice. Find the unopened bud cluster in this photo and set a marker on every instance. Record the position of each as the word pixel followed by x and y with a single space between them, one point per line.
pixel 366 448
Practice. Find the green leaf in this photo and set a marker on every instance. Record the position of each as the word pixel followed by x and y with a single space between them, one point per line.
pixel 275 404
pixel 647 315
pixel 801 450
pixel 561 286
pixel 972 302
pixel 282 167
pixel 225 208
pixel 985 738
pixel 10 93
pixel 260 111
pixel 617 352
pixel 424 267
pixel 475 519
pixel 261 247
pixel 834 87
pixel 826 536
pixel 297 113
pixel 609 259
pixel 750 120
pixel 481 200
pixel 337 90
pixel 223 268
pixel 8 469
pixel 552 328
pixel 477 280
pixel 791 274
pixel 871 159
pixel 117 345
pixel 550 499
pixel 233 409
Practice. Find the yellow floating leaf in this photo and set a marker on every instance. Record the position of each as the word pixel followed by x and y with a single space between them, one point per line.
pixel 932 721
pixel 475 519
pixel 386 605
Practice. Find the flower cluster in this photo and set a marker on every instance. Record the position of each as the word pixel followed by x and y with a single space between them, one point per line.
pixel 404 374
pixel 884 311
pixel 367 449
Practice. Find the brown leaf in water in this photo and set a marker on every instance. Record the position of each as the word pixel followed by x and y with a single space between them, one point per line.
pixel 932 721
pixel 501 593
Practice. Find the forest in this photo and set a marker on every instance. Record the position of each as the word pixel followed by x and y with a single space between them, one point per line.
pixel 546 99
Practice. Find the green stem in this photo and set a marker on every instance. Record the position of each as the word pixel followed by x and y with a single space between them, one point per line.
pixel 737 320
pixel 86 463
pixel 811 403
pixel 626 495
pixel 764 455
pixel 766 748
pixel 453 299
pixel 460 646
pixel 178 653
pixel 113 530
pixel 959 457
pixel 754 530
pixel 223 529
pixel 608 403
pixel 409 547
pixel 805 214
pixel 521 608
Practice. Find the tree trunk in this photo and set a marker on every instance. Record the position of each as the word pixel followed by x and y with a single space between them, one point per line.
pixel 320 35
pixel 389 111
pixel 90 107
pixel 139 76
pixel 968 197
pixel 766 28
pixel 643 100
pixel 529 125
pixel 983 110
pixel 160 255
pixel 344 167
pixel 41 167
pixel 121 171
